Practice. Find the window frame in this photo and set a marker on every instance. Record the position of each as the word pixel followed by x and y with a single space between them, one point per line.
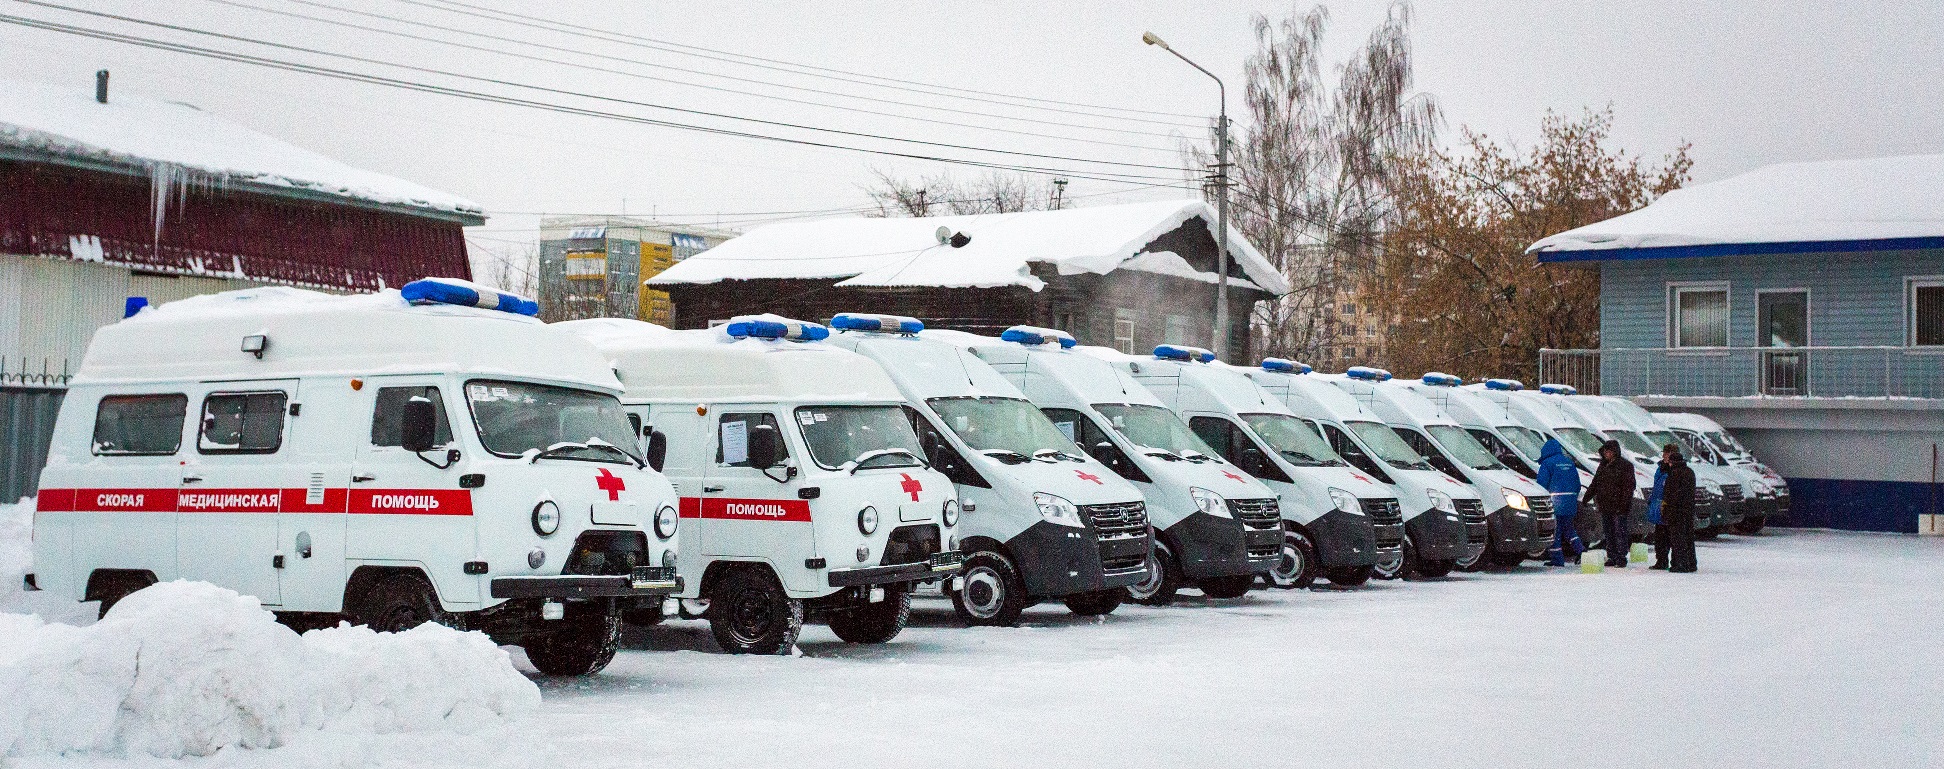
pixel 1911 284
pixel 782 437
pixel 1808 315
pixel 1674 291
pixel 94 445
pixel 283 421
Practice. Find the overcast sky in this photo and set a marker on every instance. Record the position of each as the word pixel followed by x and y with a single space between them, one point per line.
pixel 1779 81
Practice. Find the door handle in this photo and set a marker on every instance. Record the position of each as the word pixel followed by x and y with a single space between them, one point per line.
pixel 711 489
pixel 192 479
pixel 363 478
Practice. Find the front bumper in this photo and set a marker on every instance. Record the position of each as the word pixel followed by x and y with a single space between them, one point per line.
pixel 1207 547
pixel 1438 536
pixel 645 581
pixel 1515 531
pixel 1345 540
pixel 938 565
pixel 1057 560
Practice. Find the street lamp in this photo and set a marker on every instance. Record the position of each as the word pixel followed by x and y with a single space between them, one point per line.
pixel 1220 345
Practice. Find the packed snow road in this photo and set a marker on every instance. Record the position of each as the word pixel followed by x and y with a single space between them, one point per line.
pixel 1789 649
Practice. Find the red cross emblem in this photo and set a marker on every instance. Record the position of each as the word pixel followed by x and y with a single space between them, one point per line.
pixel 1087 476
pixel 1233 476
pixel 911 486
pixel 610 483
pixel 1359 476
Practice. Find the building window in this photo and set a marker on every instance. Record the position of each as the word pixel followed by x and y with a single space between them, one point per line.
pixel 1181 329
pixel 1927 312
pixel 1124 331
pixel 1698 315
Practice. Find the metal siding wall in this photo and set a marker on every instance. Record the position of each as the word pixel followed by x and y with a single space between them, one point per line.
pixel 61 304
pixel 1854 299
pixel 26 427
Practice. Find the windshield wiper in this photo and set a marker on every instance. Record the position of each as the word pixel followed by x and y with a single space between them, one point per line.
pixel 1196 456
pixel 1163 453
pixel 1007 456
pixel 566 446
pixel 1055 455
pixel 858 463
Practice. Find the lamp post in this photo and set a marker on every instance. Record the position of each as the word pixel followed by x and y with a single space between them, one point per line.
pixel 1221 336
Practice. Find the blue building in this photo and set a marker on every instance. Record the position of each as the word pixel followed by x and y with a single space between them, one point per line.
pixel 1800 305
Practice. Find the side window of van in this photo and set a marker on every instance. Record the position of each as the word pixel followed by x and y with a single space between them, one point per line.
pixel 135 425
pixel 732 437
pixel 1236 447
pixel 388 417
pixel 1346 448
pixel 1422 445
pixel 1091 439
pixel 1502 452
pixel 242 423
pixel 940 453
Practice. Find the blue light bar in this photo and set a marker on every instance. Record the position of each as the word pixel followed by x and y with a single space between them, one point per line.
pixel 758 328
pixel 438 291
pixel 1367 373
pixel 1183 352
pixel 893 324
pixel 1441 379
pixel 1558 389
pixel 1507 385
pixel 1034 335
pixel 1286 366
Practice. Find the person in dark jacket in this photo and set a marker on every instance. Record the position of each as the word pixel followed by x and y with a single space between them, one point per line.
pixel 1677 512
pixel 1560 476
pixel 1612 490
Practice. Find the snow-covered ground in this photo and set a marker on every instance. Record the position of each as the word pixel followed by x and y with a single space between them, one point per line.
pixel 1789 649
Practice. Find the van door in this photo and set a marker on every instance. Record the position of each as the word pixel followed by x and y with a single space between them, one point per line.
pixel 232 487
pixel 404 507
pixel 128 484
pixel 750 512
pixel 310 521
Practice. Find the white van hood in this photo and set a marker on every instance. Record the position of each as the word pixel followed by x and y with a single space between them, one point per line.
pixel 1082 483
pixel 1220 477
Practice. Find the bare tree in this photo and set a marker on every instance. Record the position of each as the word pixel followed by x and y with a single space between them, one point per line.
pixel 994 193
pixel 512 267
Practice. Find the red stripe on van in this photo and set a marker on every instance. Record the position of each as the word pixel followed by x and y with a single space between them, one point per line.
pixel 691 507
pixel 410 502
pixel 746 509
pixel 54 501
pixel 119 501
pixel 298 501
pixel 229 500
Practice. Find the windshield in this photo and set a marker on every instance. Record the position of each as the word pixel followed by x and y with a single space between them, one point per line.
pixel 1463 448
pixel 876 435
pixel 1660 438
pixel 1726 445
pixel 517 417
pixel 1579 440
pixel 1002 425
pixel 1529 442
pixel 1154 427
pixel 1383 442
pixel 1632 441
pixel 1297 442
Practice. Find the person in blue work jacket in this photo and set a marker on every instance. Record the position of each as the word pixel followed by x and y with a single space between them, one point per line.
pixel 1654 514
pixel 1561 477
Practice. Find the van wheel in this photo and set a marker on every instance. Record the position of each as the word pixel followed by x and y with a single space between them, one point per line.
pixel 1396 567
pixel 874 623
pixel 111 588
pixel 1510 560
pixel 1232 586
pixel 583 643
pixel 750 614
pixel 1297 567
pixel 398 603
pixel 1096 603
pixel 1349 576
pixel 1751 525
pixel 1435 569
pixel 1161 580
pixel 991 593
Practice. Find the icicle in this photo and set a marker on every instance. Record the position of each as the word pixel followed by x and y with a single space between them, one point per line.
pixel 166 180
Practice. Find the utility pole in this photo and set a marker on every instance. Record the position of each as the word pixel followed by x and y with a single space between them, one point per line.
pixel 1220 340
pixel 1059 193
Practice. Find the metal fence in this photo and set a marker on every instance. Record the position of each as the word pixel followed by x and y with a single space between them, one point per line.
pixel 1828 372
pixel 26 426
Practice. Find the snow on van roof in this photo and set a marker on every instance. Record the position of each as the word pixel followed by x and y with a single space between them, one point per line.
pixel 144 131
pixel 1837 205
pixel 1682 420
pixel 884 252
pixel 656 363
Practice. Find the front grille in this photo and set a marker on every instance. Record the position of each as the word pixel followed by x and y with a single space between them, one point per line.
pixel 607 553
pixel 910 544
pixel 1732 492
pixel 1540 505
pixel 1473 512
pixel 1257 513
pixel 1114 523
pixel 1382 512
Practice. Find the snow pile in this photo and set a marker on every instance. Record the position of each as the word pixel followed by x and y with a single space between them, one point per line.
pixel 187 669
pixel 16 546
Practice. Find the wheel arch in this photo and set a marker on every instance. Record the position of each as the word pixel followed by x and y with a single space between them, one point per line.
pixel 717 570
pixel 367 576
pixel 100 581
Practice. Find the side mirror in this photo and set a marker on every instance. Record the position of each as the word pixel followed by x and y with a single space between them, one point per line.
pixel 657 449
pixel 765 449
pixel 418 425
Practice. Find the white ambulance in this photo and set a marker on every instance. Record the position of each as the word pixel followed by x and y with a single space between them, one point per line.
pixel 1709 498
pixel 1708 441
pixel 1042 520
pixel 1441 516
pixel 1215 528
pixel 1543 415
pixel 1337 523
pixel 1739 489
pixel 803 486
pixel 390 458
pixel 1519 519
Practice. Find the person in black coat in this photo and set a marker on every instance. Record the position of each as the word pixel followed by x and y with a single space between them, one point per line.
pixel 1674 537
pixel 1612 490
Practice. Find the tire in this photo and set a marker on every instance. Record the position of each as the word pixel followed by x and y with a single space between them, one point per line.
pixel 1751 525
pixel 1096 603
pixel 1435 569
pixel 117 587
pixel 874 623
pixel 582 645
pixel 991 592
pixel 1479 562
pixel 399 602
pixel 1708 534
pixel 1349 576
pixel 1397 569
pixel 1162 580
pixel 1298 566
pixel 1592 531
pixel 1234 586
pixel 750 614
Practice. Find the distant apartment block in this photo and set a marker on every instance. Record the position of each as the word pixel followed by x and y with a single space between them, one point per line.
pixel 593 266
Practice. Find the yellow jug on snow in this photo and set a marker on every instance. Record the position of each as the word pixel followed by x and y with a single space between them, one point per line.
pixel 1639 553
pixel 1593 561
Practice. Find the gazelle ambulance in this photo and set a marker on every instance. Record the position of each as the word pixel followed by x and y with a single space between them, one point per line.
pixel 1436 529
pixel 1640 453
pixel 1738 496
pixel 1041 519
pixel 1331 513
pixel 1709 441
pixel 1522 426
pixel 392 458
pixel 1519 516
pixel 1215 528
pixel 803 486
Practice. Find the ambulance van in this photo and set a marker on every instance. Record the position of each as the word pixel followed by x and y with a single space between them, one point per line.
pixel 1738 496
pixel 1459 439
pixel 1040 519
pixel 391 459
pixel 1525 424
pixel 1442 517
pixel 1337 523
pixel 1641 454
pixel 804 491
pixel 1215 528
pixel 1707 440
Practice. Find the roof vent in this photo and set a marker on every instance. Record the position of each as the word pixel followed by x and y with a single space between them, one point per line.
pixel 101 86
pixel 946 237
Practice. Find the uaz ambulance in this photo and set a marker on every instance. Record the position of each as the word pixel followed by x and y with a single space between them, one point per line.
pixel 390 458
pixel 1442 517
pixel 1041 519
pixel 1215 528
pixel 1332 515
pixel 803 486
pixel 1520 518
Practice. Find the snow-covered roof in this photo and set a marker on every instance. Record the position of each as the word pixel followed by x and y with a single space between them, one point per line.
pixel 708 365
pixel 1839 205
pixel 888 252
pixel 141 131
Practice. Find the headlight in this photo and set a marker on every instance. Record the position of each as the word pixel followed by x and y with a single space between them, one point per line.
pixel 668 558
pixel 666 520
pixel 1515 500
pixel 1057 510
pixel 1345 501
pixel 1208 502
pixel 867 520
pixel 950 514
pixel 546 518
pixel 1440 501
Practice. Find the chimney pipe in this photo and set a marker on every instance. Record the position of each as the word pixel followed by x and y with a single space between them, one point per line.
pixel 101 86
